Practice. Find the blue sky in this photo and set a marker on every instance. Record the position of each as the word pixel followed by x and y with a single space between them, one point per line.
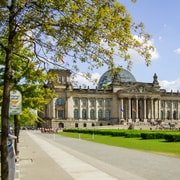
pixel 162 20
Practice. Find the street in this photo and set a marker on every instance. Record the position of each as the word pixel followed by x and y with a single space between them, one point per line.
pixel 50 156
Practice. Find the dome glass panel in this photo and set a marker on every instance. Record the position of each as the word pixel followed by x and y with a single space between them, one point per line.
pixel 122 76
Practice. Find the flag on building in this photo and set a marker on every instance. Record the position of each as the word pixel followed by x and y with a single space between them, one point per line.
pixel 133 109
pixel 121 108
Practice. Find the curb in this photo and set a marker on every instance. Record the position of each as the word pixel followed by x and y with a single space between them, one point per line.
pixel 17 174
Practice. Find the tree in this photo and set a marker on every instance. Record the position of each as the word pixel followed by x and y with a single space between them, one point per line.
pixel 87 31
pixel 30 81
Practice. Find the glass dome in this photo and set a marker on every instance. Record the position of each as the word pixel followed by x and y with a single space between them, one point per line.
pixel 122 76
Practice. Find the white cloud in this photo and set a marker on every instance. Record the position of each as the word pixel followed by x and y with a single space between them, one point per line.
pixel 81 80
pixel 177 50
pixel 164 84
pixel 154 54
pixel 136 58
pixel 170 85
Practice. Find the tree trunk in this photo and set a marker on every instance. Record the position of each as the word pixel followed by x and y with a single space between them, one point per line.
pixel 5 118
pixel 16 133
pixel 6 90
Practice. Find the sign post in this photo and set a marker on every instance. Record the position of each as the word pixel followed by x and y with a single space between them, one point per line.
pixel 15 106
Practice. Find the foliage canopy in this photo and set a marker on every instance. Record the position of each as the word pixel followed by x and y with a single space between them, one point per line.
pixel 84 30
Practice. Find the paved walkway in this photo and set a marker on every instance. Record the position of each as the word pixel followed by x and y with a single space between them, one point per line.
pixel 47 156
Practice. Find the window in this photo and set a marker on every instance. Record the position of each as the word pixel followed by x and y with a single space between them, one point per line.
pixel 92 102
pixel 175 104
pixel 162 115
pixel 174 115
pixel 162 104
pixel 84 114
pixel 83 102
pixel 62 79
pixel 107 114
pixel 168 115
pixel 76 114
pixel 92 114
pixel 75 102
pixel 168 104
pixel 100 114
pixel 107 103
pixel 60 114
pixel 100 103
pixel 60 102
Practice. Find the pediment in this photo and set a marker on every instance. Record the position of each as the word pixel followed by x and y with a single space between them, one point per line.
pixel 142 88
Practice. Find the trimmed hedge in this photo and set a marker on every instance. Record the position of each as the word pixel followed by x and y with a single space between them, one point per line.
pixel 153 135
pixel 172 137
pixel 108 132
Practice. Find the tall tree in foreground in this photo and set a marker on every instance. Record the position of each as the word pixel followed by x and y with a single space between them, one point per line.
pixel 30 80
pixel 88 31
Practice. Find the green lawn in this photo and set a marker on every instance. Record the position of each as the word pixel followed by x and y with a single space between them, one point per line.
pixel 156 145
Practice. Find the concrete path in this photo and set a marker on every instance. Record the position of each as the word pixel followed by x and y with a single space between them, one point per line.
pixel 48 156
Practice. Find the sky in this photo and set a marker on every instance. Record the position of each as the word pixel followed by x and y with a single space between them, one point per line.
pixel 161 19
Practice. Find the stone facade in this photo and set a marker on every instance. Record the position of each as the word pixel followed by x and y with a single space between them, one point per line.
pixel 120 102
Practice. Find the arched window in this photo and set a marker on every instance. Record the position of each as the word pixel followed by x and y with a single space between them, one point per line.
pixel 76 114
pixel 100 114
pixel 168 115
pixel 84 116
pixel 107 114
pixel 174 115
pixel 60 102
pixel 92 114
pixel 60 114
pixel 162 115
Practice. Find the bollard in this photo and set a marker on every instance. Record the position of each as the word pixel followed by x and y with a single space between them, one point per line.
pixel 11 157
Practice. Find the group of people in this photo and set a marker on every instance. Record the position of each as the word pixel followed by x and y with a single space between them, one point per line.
pixel 49 130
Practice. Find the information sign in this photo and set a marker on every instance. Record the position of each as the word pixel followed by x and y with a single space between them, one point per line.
pixel 15 106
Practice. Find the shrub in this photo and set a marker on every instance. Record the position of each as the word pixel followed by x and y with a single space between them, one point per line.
pixel 153 135
pixel 172 137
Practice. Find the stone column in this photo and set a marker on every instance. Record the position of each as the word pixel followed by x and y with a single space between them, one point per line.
pixel 80 110
pixel 88 109
pixel 156 109
pixel 165 109
pixel 129 110
pixel 104 109
pixel 159 108
pixel 145 117
pixel 136 110
pixel 171 110
pixel 177 111
pixel 96 110
pixel 121 109
pixel 152 110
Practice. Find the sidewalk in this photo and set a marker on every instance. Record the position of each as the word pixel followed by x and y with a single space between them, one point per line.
pixel 35 164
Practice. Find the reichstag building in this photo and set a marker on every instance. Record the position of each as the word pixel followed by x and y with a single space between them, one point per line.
pixel 117 99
